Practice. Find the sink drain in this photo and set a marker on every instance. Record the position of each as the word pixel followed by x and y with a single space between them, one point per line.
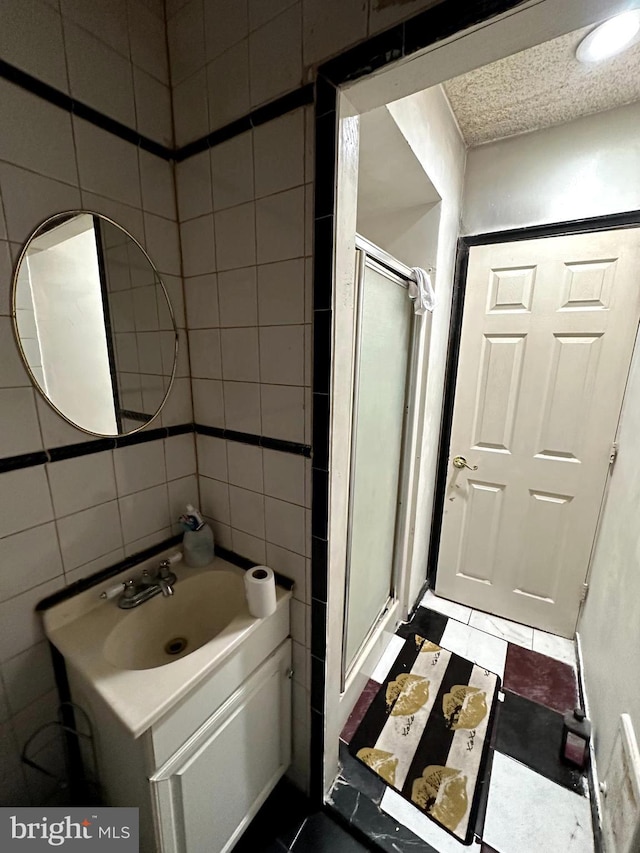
pixel 175 646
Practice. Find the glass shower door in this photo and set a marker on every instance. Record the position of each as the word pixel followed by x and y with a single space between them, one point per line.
pixel 383 344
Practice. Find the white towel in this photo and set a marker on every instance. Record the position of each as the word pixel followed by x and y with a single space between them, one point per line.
pixel 421 291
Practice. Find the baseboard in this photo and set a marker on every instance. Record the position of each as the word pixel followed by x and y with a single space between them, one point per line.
pixel 592 777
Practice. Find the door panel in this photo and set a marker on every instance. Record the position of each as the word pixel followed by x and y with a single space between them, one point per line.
pixel 481 523
pixel 498 391
pixel 547 336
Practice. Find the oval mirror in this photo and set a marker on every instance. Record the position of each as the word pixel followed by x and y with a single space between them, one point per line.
pixel 94 323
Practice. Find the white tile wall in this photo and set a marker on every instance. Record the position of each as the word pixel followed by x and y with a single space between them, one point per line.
pixel 272 71
pixel 153 107
pixel 21 112
pixel 202 301
pixel 240 354
pixel 232 168
pixel 232 100
pixel 31 38
pixel 98 75
pixel 280 226
pixel 236 239
pixel 245 466
pixel 68 519
pixel 186 41
pixel 321 36
pixel 226 23
pixel 281 293
pixel 286 136
pixel 242 407
pixel 248 271
pixel 84 481
pixel 212 457
pixel 237 293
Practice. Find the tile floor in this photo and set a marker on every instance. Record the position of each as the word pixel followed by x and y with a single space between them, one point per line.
pixel 286 822
pixel 532 801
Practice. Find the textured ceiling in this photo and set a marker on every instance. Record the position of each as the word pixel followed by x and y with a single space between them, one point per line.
pixel 540 87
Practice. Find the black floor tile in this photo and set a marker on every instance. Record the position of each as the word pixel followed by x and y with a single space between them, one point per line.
pixel 369 821
pixel 277 823
pixel 427 623
pixel 532 734
pixel 321 834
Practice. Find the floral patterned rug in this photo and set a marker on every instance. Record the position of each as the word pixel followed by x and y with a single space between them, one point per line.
pixel 427 731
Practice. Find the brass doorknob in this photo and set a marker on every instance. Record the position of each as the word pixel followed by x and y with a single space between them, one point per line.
pixel 461 462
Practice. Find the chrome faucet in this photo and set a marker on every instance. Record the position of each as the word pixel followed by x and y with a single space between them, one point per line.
pixel 137 590
pixel 166 578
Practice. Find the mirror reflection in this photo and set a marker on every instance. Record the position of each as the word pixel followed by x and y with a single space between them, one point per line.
pixel 94 323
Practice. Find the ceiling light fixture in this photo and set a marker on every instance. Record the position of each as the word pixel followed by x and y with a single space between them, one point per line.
pixel 610 38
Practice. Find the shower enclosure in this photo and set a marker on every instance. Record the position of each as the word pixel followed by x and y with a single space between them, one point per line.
pixel 383 378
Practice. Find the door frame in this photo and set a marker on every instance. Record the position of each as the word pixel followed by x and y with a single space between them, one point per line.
pixel 610 222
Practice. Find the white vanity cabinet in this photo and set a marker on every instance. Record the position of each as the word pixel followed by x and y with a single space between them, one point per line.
pixel 196 744
pixel 201 773
pixel 209 790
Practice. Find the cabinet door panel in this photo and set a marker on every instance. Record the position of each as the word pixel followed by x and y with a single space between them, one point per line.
pixel 213 787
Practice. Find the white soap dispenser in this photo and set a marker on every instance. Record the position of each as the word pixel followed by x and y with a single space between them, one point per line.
pixel 197 542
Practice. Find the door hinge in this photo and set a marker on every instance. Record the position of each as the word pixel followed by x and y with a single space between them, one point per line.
pixel 584 592
pixel 614 453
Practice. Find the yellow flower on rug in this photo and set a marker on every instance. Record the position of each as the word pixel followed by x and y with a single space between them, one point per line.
pixel 409 692
pixel 426 645
pixel 465 707
pixel 381 762
pixel 442 792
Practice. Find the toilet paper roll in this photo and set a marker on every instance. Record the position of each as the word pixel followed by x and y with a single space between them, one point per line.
pixel 260 589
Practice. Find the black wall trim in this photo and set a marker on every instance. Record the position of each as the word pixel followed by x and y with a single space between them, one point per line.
pixel 629 219
pixel 281 106
pixel 103 575
pixel 291 101
pixel 24 460
pixel 453 353
pixel 98 445
pixel 173 541
pixel 256 440
pixel 71 105
pixel 433 25
pixel 85 448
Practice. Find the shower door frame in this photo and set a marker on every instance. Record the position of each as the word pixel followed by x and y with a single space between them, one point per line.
pixel 368 254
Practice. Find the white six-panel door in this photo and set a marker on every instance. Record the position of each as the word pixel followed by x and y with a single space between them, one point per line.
pixel 547 336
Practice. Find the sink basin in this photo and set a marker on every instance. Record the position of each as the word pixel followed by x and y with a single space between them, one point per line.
pixel 166 629
pixel 142 662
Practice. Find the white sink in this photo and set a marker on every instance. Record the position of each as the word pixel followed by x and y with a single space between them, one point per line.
pixel 143 661
pixel 165 629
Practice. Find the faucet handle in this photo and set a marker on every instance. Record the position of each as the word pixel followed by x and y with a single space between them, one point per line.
pixel 164 569
pixel 129 588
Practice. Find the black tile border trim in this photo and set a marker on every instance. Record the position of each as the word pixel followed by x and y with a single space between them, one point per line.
pixel 98 445
pixel 24 460
pixel 104 574
pixel 257 440
pixel 300 97
pixel 139 557
pixel 428 27
pixel 66 102
pixel 85 448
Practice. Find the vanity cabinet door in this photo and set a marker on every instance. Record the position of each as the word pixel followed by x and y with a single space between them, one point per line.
pixel 210 789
